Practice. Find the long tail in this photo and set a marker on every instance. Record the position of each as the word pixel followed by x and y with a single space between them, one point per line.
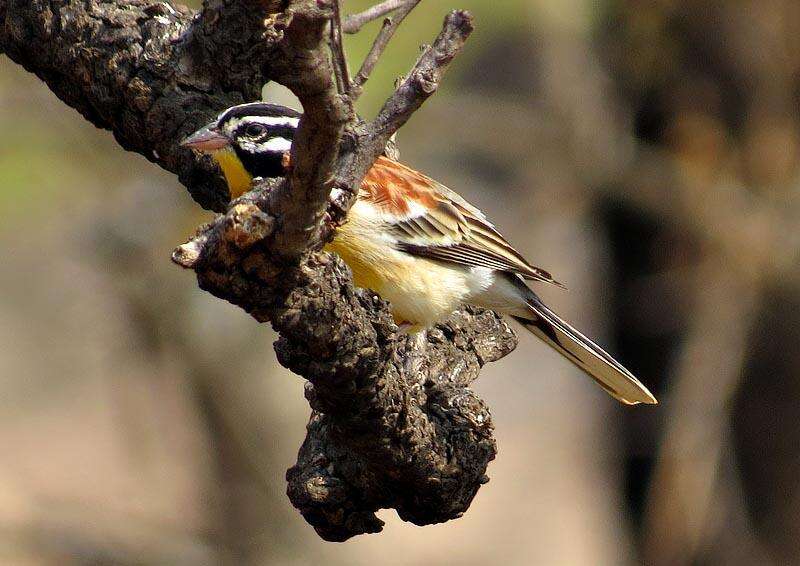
pixel 577 348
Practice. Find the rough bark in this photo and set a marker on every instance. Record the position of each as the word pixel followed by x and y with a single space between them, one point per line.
pixel 394 423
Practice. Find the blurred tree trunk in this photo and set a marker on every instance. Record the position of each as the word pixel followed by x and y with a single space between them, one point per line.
pixel 712 88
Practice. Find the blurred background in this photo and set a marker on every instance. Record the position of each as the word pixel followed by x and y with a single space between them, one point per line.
pixel 645 152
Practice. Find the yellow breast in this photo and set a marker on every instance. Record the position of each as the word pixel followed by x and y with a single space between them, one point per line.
pixel 420 291
pixel 366 272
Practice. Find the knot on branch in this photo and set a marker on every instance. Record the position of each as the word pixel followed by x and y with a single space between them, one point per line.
pixel 395 424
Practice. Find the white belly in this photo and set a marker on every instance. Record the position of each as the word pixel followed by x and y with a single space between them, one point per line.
pixel 422 292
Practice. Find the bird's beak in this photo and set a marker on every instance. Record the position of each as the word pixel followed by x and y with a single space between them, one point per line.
pixel 206 139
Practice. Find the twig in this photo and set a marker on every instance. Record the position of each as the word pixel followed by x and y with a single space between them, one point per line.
pixel 337 68
pixel 341 68
pixel 301 200
pixel 354 22
pixel 421 82
pixel 423 79
pixel 390 26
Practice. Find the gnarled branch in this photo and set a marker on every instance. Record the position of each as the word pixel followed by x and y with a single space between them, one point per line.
pixel 394 422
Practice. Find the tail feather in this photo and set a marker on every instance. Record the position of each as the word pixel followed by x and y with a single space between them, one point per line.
pixel 588 356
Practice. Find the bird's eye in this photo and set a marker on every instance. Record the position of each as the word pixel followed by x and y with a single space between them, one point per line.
pixel 255 130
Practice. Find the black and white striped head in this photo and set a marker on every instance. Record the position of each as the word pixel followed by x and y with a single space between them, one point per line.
pixel 248 140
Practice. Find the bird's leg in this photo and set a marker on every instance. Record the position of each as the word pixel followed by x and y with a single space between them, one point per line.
pixel 414 351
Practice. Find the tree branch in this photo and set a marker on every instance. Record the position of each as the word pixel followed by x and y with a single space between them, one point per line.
pixel 424 78
pixel 394 423
pixel 337 43
pixel 147 71
pixel 363 143
pixel 390 25
pixel 354 22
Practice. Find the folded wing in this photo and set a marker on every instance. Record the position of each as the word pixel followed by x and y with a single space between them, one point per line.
pixel 429 220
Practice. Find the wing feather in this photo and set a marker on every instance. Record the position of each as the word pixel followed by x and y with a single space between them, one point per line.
pixel 429 220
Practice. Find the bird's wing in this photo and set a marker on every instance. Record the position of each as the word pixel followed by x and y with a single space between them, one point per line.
pixel 429 220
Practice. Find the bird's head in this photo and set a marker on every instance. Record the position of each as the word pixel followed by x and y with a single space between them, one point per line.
pixel 247 141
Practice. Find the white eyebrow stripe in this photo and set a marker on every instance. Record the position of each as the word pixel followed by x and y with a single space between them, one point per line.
pixel 274 120
pixel 272 145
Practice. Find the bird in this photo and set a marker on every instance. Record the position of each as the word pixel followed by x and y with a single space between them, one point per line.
pixel 418 244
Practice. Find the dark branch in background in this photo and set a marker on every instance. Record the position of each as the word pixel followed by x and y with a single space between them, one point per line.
pixel 394 422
